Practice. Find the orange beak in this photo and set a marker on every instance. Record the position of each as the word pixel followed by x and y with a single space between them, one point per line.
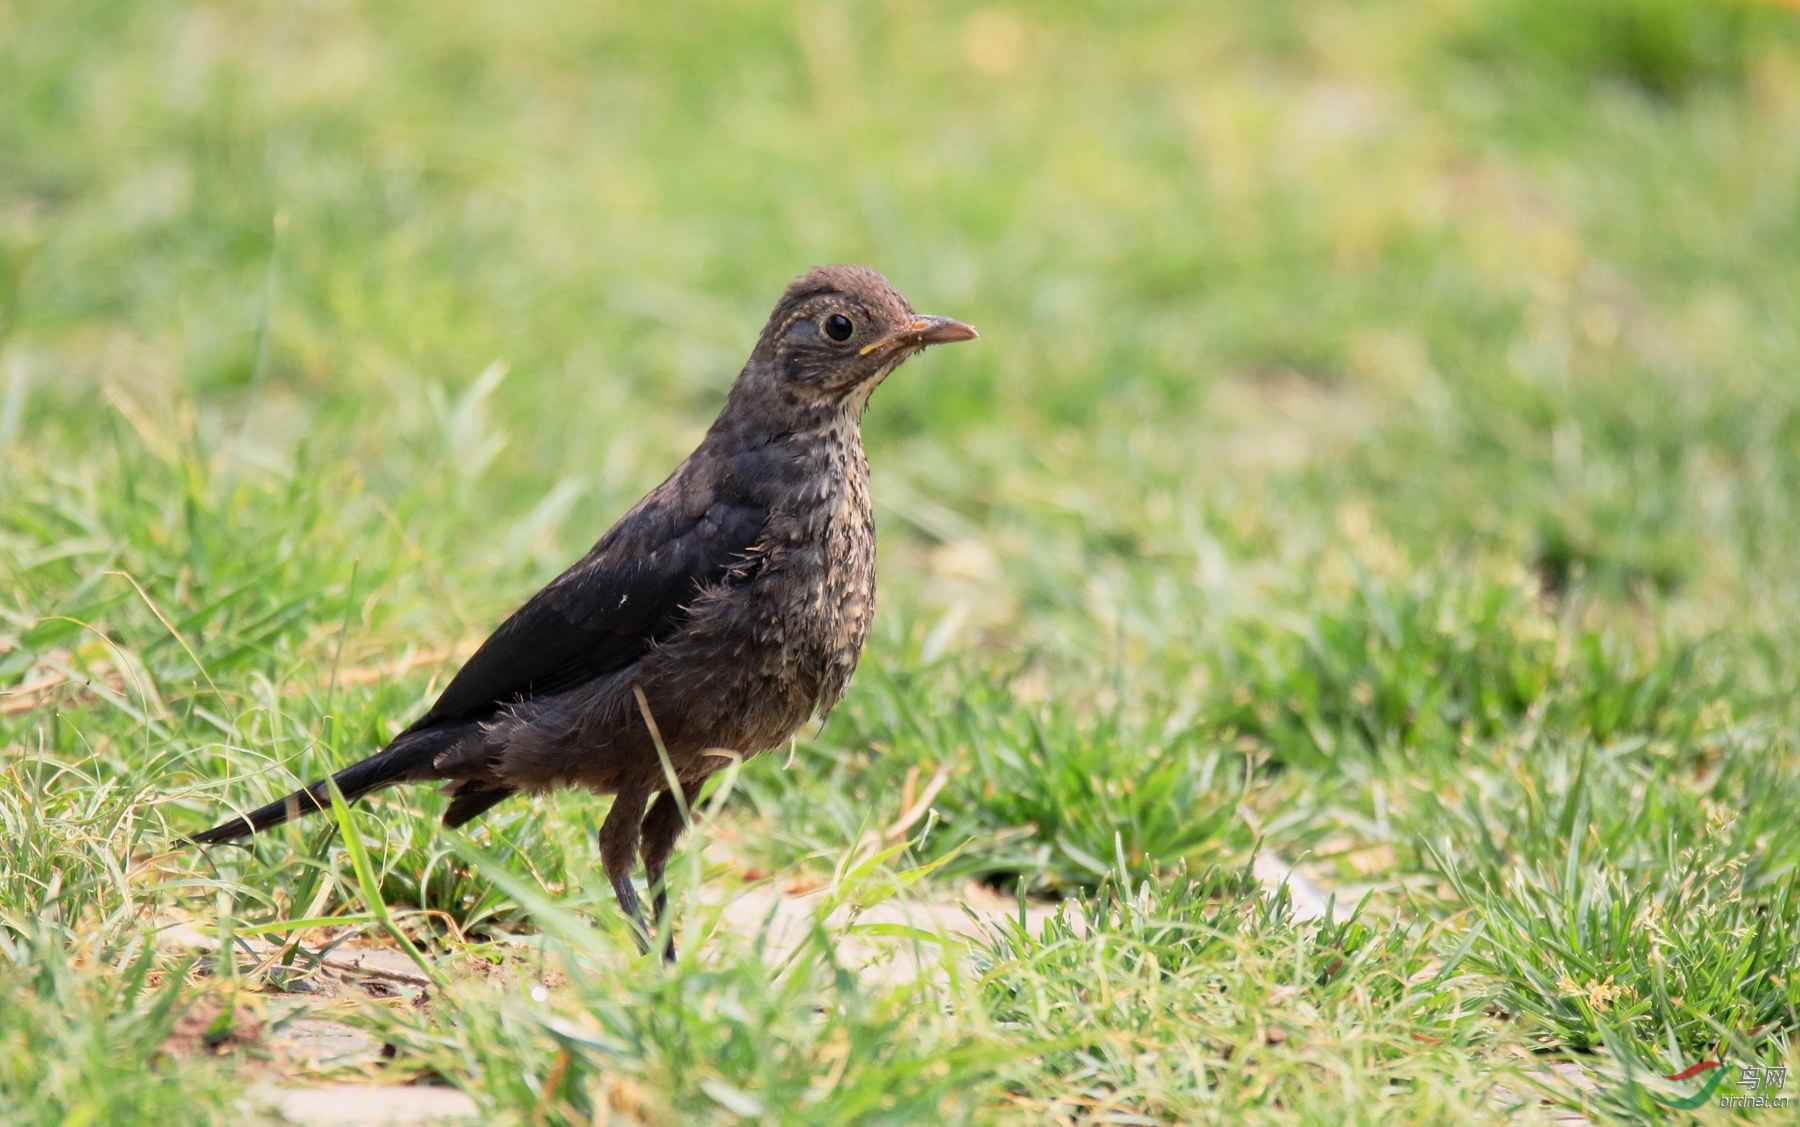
pixel 922 331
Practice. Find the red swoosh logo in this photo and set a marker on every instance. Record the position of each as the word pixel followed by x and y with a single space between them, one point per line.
pixel 1693 1070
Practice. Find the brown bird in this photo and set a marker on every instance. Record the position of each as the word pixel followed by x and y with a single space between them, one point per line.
pixel 727 608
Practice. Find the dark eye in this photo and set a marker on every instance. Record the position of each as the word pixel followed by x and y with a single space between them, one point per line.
pixel 838 327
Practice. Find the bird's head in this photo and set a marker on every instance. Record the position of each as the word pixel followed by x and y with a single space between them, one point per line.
pixel 836 334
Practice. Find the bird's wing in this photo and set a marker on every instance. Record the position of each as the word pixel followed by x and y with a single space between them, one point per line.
pixel 604 613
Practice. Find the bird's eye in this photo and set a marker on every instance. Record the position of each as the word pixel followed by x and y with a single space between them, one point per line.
pixel 838 327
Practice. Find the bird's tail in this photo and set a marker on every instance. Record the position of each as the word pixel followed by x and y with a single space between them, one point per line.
pixel 407 759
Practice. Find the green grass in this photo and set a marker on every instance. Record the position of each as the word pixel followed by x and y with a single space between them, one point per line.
pixel 1380 452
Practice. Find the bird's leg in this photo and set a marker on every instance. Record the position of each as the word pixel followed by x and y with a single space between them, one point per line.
pixel 618 854
pixel 662 828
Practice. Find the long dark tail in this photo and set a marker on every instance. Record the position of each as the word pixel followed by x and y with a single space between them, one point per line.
pixel 407 759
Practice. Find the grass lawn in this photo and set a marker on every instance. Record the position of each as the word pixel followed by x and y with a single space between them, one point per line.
pixel 1382 456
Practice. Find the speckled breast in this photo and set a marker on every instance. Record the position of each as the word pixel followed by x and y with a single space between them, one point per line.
pixel 781 643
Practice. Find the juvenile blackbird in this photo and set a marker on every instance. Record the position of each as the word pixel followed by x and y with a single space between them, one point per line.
pixel 729 605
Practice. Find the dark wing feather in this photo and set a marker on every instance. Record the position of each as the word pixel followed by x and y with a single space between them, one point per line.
pixel 605 612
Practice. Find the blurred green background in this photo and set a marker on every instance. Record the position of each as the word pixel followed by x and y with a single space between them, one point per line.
pixel 1383 444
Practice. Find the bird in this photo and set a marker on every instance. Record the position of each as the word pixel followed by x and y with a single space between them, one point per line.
pixel 722 613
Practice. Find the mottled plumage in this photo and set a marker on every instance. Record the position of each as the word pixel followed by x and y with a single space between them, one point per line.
pixel 735 598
